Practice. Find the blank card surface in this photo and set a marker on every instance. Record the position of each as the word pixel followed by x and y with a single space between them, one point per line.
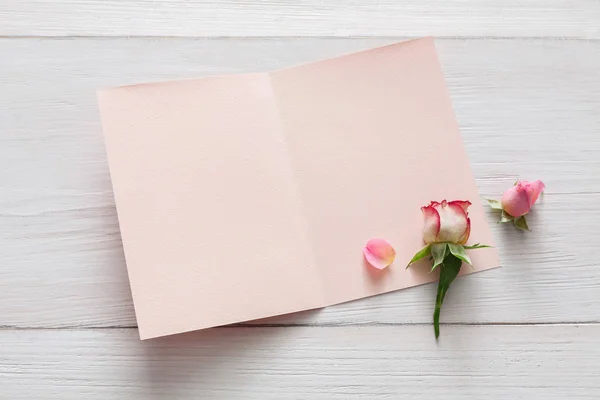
pixel 247 196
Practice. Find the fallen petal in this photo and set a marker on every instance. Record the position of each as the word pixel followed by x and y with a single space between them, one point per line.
pixel 379 253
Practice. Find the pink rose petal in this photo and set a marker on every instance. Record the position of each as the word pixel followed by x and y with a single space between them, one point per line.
pixel 463 203
pixel 379 253
pixel 431 227
pixel 535 189
pixel 467 233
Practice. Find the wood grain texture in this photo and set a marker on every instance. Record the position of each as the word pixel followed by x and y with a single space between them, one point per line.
pixel 515 362
pixel 527 108
pixel 251 18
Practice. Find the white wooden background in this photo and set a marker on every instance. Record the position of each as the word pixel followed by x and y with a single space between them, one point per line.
pixel 524 76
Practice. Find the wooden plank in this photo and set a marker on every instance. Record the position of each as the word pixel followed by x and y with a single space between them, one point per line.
pixel 500 362
pixel 527 108
pixel 316 18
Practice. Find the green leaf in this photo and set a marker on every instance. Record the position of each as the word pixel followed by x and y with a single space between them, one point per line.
pixel 424 252
pixel 494 204
pixel 438 251
pixel 459 252
pixel 448 272
pixel 521 223
pixel 477 246
pixel 506 217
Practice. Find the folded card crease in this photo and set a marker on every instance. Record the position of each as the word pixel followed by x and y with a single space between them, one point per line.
pixel 247 196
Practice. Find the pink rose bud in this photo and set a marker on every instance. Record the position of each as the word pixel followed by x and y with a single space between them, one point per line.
pixel 446 222
pixel 519 199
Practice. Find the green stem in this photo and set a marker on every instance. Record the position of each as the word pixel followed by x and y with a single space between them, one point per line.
pixel 448 272
pixel 438 308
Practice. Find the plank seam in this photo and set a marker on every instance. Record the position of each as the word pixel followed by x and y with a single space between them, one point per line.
pixel 267 37
pixel 308 325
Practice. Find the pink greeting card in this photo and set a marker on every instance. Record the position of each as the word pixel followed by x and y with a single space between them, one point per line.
pixel 247 196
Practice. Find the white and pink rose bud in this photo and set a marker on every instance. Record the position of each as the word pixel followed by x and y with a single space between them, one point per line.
pixel 446 229
pixel 446 222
